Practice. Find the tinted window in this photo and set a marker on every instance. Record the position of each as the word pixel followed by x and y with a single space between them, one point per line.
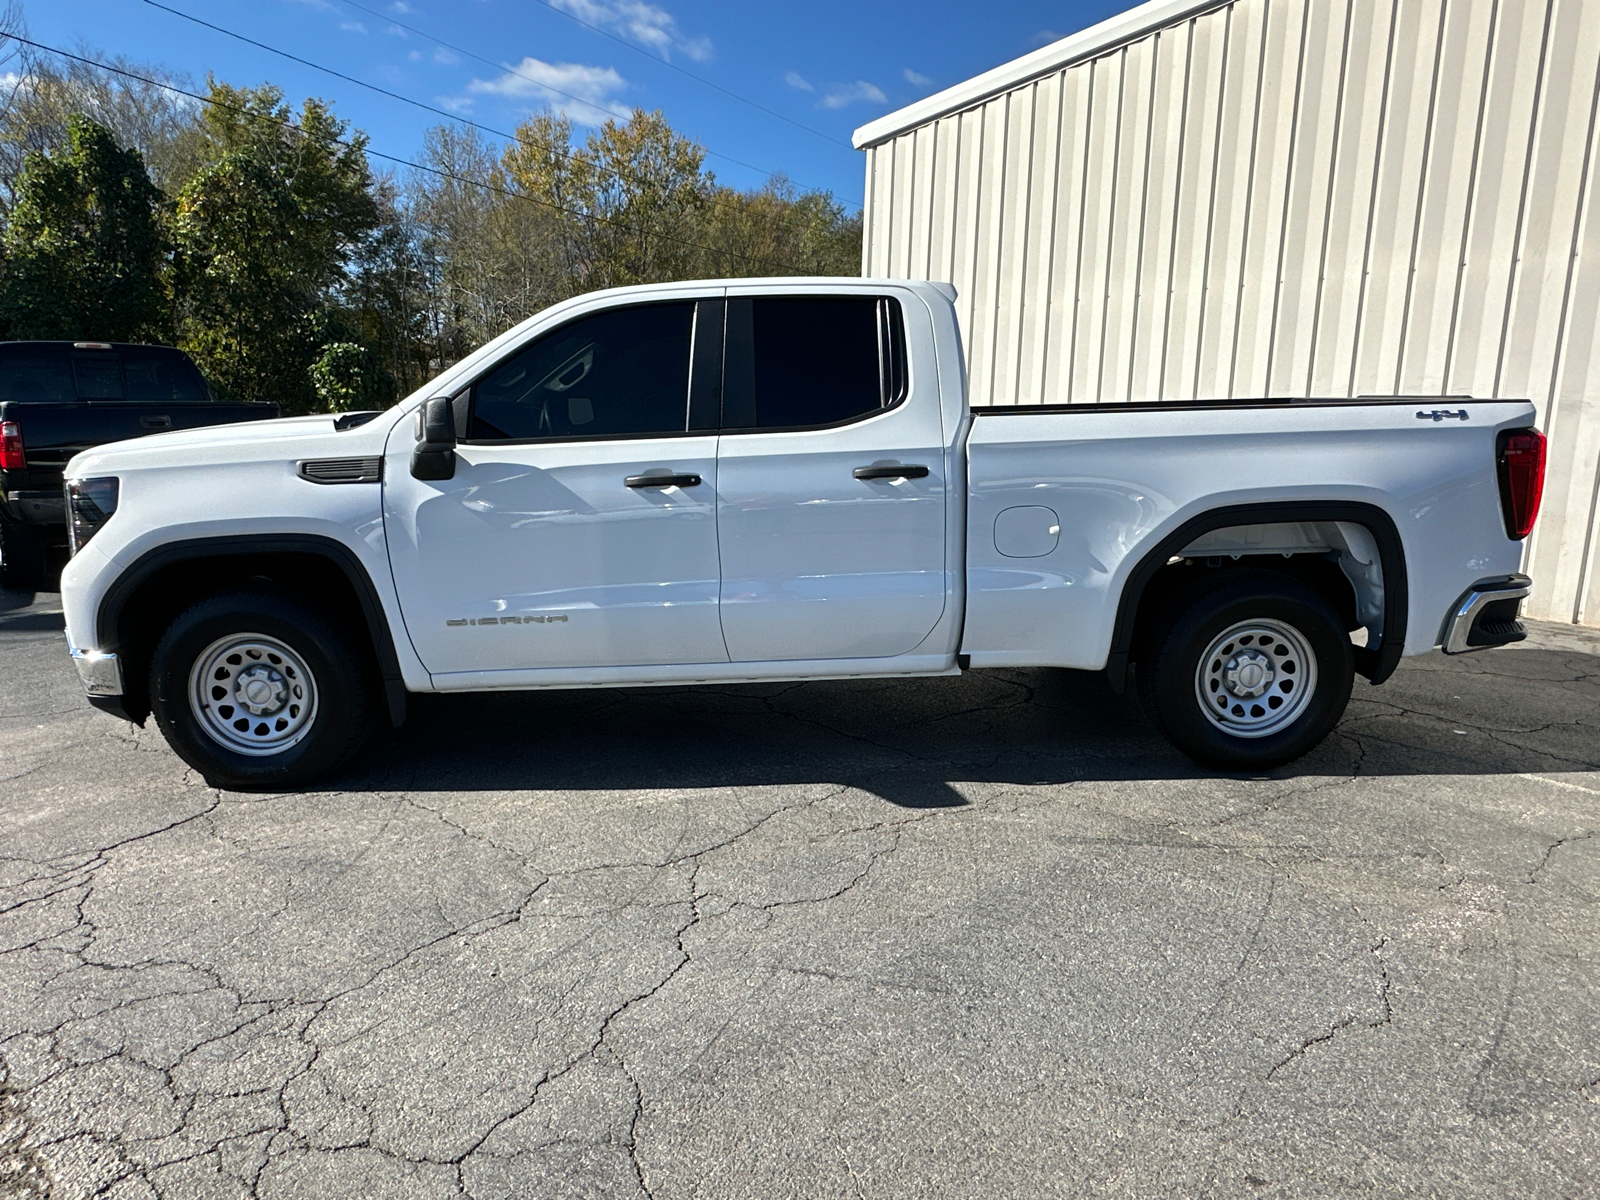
pixel 797 361
pixel 620 372
pixel 38 374
pixel 99 374
pixel 154 373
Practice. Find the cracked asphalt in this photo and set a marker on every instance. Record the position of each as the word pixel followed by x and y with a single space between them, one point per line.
pixel 948 938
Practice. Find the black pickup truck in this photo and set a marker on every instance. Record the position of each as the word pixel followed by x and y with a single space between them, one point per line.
pixel 59 398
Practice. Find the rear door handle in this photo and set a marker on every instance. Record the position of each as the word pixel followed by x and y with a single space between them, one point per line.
pixel 891 472
pixel 662 481
pixel 153 421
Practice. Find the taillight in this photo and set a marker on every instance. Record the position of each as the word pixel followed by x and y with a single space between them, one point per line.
pixel 1521 464
pixel 11 456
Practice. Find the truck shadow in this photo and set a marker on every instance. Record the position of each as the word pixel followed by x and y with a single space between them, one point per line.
pixel 911 741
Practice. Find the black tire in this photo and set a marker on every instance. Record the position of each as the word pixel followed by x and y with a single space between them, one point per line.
pixel 21 556
pixel 331 726
pixel 1277 630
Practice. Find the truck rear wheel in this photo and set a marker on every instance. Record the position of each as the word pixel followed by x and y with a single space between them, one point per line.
pixel 256 690
pixel 1247 671
pixel 21 556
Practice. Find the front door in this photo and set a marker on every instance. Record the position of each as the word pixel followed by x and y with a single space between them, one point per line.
pixel 580 528
pixel 831 516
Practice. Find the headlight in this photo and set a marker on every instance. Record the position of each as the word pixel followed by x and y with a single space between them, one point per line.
pixel 90 503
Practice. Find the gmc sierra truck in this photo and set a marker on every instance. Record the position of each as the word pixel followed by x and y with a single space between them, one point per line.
pixel 58 399
pixel 782 480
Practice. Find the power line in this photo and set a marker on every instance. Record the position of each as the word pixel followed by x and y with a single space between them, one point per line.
pixel 621 42
pixel 289 123
pixel 450 116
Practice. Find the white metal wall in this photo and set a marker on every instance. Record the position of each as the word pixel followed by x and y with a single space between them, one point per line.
pixel 1288 197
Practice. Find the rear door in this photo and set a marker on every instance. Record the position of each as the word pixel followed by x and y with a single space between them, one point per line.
pixel 580 527
pixel 831 514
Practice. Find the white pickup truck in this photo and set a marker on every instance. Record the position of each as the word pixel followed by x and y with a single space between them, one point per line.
pixel 778 480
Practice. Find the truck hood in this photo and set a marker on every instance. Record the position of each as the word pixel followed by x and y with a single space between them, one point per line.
pixel 248 441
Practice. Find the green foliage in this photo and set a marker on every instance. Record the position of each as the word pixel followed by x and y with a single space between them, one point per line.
pixel 265 231
pixel 348 377
pixel 86 254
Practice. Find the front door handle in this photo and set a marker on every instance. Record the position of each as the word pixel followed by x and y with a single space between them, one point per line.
pixel 890 472
pixel 156 421
pixel 662 481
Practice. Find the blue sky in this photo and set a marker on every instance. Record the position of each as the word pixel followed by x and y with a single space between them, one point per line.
pixel 829 65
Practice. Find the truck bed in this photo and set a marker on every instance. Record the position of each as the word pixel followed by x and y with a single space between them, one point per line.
pixel 1122 485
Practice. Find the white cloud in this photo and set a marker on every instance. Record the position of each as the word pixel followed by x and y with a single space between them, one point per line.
pixel 586 94
pixel 446 58
pixel 641 21
pixel 849 93
pixel 914 78
pixel 414 56
pixel 352 26
pixel 401 7
pixel 396 31
pixel 796 80
pixel 460 105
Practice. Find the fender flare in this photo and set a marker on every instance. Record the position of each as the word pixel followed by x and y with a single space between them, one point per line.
pixel 126 584
pixel 1376 664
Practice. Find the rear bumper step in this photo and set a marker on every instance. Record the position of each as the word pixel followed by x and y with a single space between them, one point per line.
pixel 1486 615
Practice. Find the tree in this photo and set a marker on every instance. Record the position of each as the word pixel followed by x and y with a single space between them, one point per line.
pixel 348 377
pixel 778 231
pixel 151 118
pixel 631 201
pixel 266 232
pixel 86 253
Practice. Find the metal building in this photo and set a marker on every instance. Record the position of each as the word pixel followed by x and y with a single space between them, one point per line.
pixel 1279 197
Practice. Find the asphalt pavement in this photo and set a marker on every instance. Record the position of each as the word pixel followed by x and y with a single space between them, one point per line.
pixel 972 937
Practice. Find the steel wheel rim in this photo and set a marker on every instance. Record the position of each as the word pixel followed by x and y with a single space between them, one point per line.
pixel 252 694
pixel 1256 678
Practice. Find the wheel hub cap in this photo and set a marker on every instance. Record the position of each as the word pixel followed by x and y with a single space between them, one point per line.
pixel 1256 678
pixel 1248 674
pixel 252 694
pixel 261 690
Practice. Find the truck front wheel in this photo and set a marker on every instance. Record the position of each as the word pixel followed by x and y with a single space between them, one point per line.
pixel 1247 671
pixel 256 690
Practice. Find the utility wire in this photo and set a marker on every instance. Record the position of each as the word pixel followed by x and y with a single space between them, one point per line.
pixel 827 137
pixel 450 116
pixel 289 123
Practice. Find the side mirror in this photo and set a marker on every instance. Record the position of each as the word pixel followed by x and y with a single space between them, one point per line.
pixel 435 455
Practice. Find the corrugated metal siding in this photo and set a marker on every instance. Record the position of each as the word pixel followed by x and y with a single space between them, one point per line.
pixel 1329 197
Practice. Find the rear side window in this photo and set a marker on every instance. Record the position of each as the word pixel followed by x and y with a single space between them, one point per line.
pixel 796 362
pixel 36 375
pixel 624 372
pixel 156 374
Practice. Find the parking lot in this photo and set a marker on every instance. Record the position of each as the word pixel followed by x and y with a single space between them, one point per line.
pixel 949 938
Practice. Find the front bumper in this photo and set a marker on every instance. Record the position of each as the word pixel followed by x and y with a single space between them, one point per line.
pixel 101 673
pixel 1486 615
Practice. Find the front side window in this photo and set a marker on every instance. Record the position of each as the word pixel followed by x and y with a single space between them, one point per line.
pixel 618 373
pixel 796 362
